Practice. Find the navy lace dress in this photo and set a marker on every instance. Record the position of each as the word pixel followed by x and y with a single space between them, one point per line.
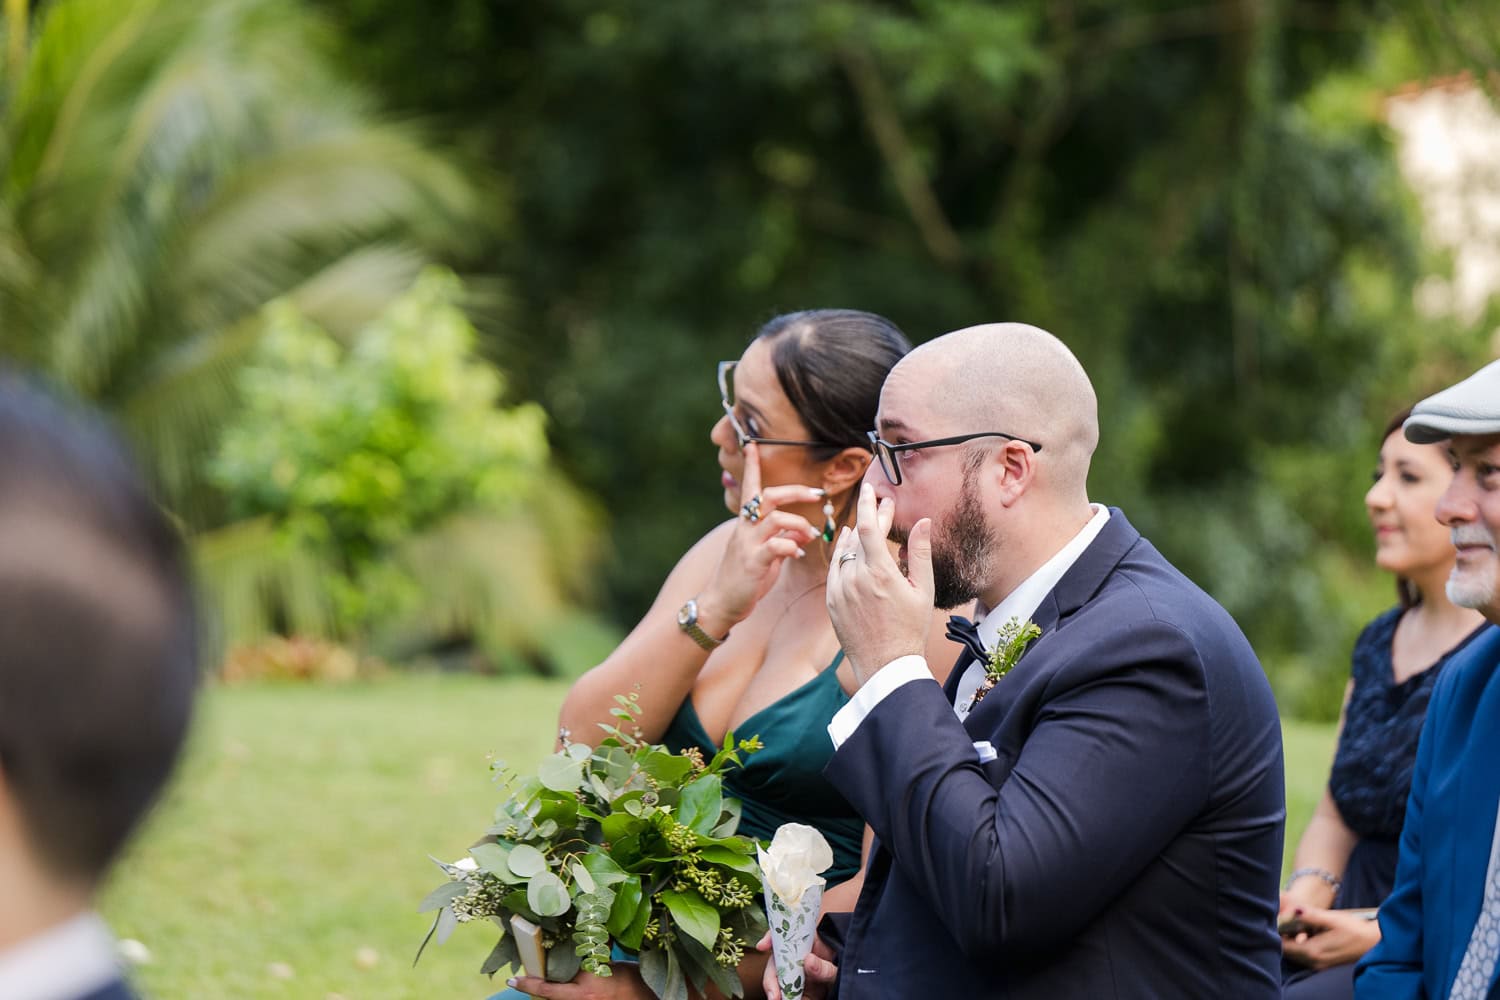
pixel 1371 778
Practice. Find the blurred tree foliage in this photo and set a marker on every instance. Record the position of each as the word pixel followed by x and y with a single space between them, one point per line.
pixel 167 167
pixel 1200 198
pixel 385 494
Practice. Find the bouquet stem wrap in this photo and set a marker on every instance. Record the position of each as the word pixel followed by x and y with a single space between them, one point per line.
pixel 794 893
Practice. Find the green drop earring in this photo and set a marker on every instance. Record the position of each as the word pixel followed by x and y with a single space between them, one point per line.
pixel 828 526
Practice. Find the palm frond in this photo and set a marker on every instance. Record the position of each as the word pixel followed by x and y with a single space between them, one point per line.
pixel 177 404
pixel 257 584
pixel 171 167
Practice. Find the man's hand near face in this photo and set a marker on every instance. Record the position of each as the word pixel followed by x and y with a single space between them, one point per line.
pixel 879 612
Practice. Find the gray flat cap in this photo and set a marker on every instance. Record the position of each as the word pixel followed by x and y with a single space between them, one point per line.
pixel 1470 407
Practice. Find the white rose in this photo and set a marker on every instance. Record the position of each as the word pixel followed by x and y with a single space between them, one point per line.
pixel 792 864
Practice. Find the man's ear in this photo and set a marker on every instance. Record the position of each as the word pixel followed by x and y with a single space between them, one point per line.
pixel 1014 469
pixel 844 470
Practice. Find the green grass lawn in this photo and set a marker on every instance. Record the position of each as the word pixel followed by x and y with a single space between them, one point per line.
pixel 297 834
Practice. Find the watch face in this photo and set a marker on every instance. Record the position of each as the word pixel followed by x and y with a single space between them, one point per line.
pixel 687 614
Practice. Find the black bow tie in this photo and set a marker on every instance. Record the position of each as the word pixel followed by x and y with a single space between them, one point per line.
pixel 961 630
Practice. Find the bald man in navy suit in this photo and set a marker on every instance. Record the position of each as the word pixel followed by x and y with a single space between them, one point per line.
pixel 1102 821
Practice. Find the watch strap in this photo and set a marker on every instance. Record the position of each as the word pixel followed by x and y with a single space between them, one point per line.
pixel 687 620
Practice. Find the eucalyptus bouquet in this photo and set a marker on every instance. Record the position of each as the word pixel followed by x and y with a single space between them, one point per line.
pixel 625 843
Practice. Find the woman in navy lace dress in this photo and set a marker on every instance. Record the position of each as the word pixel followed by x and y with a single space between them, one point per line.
pixel 1346 859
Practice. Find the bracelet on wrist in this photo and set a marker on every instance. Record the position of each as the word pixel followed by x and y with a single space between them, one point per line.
pixel 1321 874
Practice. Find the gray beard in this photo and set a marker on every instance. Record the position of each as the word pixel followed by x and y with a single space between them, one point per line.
pixel 1472 590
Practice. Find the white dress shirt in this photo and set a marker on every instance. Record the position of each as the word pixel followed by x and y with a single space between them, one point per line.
pixel 68 961
pixel 1020 603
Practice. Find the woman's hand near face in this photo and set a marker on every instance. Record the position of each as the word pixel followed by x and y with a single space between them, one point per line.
pixel 752 559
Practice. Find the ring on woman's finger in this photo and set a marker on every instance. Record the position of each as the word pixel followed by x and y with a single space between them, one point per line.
pixel 846 557
pixel 751 510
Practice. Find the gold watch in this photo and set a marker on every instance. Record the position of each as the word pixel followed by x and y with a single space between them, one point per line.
pixel 687 620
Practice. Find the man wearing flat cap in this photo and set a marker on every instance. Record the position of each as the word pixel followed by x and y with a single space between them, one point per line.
pixel 1440 928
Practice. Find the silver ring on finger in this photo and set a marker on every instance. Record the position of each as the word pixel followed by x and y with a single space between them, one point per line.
pixel 846 557
pixel 751 510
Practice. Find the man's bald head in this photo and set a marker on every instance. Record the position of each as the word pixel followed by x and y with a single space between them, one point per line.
pixel 1020 380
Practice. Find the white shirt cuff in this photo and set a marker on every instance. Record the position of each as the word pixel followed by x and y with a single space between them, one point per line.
pixel 887 679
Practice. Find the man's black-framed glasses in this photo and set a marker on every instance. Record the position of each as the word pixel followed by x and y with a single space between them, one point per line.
pixel 744 437
pixel 891 465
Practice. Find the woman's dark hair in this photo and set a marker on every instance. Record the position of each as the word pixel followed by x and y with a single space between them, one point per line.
pixel 1406 591
pixel 99 634
pixel 1394 424
pixel 831 364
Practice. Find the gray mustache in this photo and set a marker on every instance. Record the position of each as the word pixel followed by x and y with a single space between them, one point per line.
pixel 1472 534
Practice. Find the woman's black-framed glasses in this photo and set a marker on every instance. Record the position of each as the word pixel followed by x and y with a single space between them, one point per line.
pixel 891 466
pixel 744 437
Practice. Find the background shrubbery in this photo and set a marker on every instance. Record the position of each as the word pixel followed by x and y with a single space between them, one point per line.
pixel 210 209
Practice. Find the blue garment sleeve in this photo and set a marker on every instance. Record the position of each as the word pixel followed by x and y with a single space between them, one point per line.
pixel 1393 969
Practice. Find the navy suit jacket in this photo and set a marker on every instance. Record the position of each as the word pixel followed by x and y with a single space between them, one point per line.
pixel 1126 843
pixel 116 990
pixel 1445 844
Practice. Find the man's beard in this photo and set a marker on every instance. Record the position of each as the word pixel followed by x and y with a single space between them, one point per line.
pixel 1474 588
pixel 960 550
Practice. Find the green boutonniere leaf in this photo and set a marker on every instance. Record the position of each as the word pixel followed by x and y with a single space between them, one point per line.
pixel 1012 640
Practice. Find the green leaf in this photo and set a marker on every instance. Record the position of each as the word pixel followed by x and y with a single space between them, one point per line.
pixel 600 788
pixel 503 954
pixel 632 936
pixel 730 859
pixel 516 902
pixel 618 825
pixel 428 937
pixel 603 867
pixel 628 901
pixel 526 861
pixel 676 988
pixel 561 810
pixel 547 895
pixel 694 915
pixel 492 858
pixel 654 970
pixel 729 819
pixel 701 803
pixel 582 877
pixel 560 772
pixel 666 768
pixel 618 765
pixel 702 967
pixel 447 920
pixel 443 895
pixel 562 963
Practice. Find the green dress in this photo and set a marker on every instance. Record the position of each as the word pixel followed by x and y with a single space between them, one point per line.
pixel 784 783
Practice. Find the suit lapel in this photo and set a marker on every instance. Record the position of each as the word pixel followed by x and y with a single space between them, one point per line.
pixel 1084 578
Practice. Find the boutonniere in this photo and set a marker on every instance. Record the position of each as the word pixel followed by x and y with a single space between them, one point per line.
pixel 1012 640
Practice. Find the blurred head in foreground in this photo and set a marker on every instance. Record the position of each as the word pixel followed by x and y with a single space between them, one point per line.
pixel 97 656
pixel 1466 417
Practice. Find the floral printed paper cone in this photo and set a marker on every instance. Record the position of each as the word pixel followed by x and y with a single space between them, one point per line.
pixel 792 929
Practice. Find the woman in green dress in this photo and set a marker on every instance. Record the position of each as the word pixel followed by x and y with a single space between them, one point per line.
pixel 739 639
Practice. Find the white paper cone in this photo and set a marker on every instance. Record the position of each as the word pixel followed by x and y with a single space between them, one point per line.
pixel 792 930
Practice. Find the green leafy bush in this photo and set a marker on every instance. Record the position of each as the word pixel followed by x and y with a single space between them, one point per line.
pixel 382 493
